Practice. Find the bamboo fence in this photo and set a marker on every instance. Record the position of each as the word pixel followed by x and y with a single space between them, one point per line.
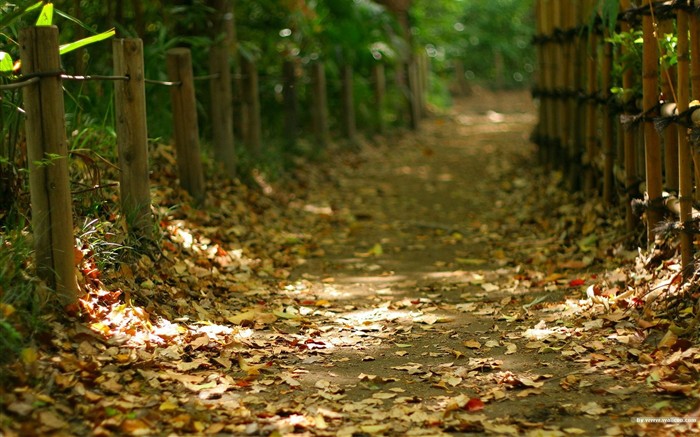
pixel 640 145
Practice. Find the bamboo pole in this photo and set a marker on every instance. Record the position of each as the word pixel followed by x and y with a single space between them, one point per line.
pixel 570 20
pixel 549 84
pixel 47 153
pixel 695 83
pixel 608 133
pixel 670 134
pixel 652 146
pixel 591 109
pixel 560 77
pixel 580 106
pixel 185 125
pixel 684 158
pixel 541 74
pixel 132 136
pixel 630 145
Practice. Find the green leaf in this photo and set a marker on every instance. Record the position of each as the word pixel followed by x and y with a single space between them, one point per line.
pixel 74 20
pixel 46 15
pixel 65 48
pixel 5 63
pixel 7 19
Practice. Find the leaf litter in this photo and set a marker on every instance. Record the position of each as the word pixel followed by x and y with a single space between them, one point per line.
pixel 390 292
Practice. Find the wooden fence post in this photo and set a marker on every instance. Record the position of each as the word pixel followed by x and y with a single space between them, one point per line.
pixel 132 136
pixel 186 127
pixel 291 102
pixel 319 104
pixel 423 82
pixel 413 93
pixel 379 83
pixel 348 103
pixel 652 146
pixel 461 85
pixel 47 153
pixel 220 88
pixel 251 95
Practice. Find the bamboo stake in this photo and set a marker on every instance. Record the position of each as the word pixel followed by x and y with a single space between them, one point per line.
pixel 652 146
pixel 47 153
pixel 684 158
pixel 630 149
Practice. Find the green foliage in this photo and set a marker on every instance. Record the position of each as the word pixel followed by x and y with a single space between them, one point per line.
pixel 490 38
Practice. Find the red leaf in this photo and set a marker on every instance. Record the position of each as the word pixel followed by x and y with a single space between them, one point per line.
pixel 576 282
pixel 474 404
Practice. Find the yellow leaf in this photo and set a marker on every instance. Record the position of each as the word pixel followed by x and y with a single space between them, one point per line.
pixel 168 406
pixel 6 309
pixel 375 429
pixel 29 356
pixel 376 250
pixel 251 370
pixel 241 317
pixel 472 344
pixel 470 261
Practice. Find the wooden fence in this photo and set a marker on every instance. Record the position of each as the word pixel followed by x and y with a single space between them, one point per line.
pixel 47 148
pixel 638 145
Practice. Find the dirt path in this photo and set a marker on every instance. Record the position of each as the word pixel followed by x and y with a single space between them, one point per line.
pixel 426 286
pixel 443 311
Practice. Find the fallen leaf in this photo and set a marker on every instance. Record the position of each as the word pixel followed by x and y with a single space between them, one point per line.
pixel 472 344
